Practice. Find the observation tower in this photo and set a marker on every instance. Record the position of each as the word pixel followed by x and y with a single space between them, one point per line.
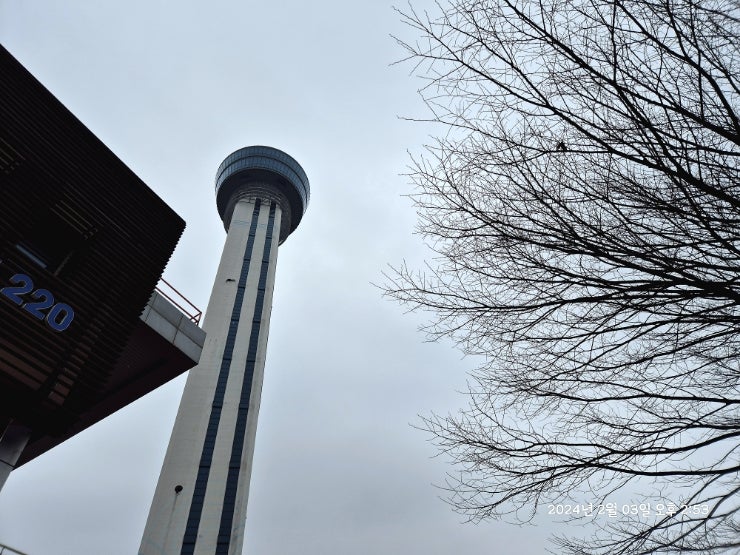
pixel 200 503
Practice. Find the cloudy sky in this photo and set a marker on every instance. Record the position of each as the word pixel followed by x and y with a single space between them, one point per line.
pixel 172 88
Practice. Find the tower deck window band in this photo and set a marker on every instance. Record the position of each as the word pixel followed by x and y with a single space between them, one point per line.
pixel 261 195
pixel 267 173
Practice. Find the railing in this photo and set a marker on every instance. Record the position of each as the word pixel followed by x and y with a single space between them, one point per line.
pixel 177 299
pixel 5 550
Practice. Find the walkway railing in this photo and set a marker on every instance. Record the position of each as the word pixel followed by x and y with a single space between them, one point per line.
pixel 5 550
pixel 180 301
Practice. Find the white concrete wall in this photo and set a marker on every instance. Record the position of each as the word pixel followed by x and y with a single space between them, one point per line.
pixel 169 322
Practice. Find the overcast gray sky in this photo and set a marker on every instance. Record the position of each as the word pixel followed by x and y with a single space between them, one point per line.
pixel 172 88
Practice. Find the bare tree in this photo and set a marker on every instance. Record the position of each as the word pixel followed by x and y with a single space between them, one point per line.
pixel 584 205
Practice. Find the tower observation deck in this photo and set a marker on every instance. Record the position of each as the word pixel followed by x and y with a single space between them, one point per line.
pixel 200 502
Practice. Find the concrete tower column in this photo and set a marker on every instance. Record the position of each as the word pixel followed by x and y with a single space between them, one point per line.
pixel 200 502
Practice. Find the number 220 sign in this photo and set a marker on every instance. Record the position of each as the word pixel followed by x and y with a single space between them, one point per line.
pixel 41 305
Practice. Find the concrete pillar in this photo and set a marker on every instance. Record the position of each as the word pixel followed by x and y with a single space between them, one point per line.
pixel 200 503
pixel 12 443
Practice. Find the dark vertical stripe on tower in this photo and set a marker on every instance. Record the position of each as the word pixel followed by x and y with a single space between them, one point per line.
pixel 237 448
pixel 206 457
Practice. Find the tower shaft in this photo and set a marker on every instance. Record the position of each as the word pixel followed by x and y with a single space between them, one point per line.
pixel 200 502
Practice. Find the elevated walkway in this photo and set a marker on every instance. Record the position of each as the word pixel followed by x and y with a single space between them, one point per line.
pixel 165 343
